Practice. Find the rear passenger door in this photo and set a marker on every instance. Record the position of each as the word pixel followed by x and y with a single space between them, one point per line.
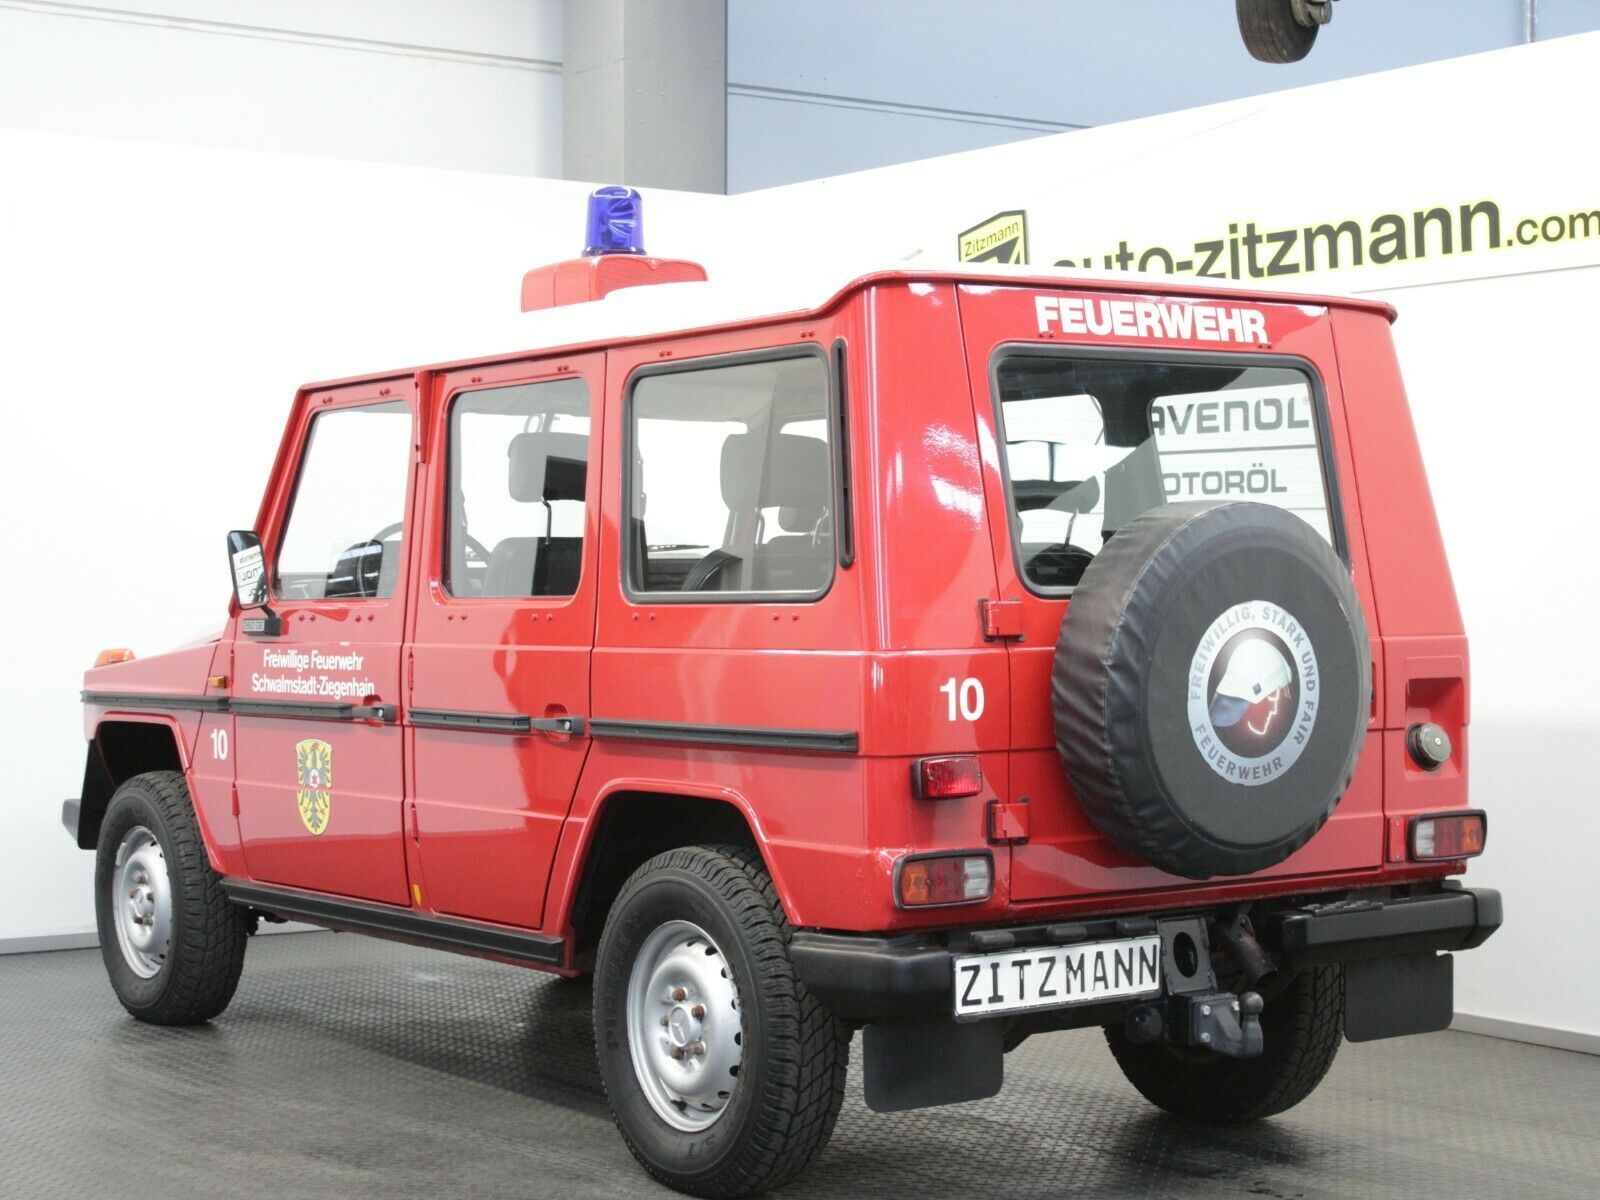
pixel 502 635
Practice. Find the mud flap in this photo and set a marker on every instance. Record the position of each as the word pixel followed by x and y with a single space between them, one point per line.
pixel 1395 997
pixel 918 1064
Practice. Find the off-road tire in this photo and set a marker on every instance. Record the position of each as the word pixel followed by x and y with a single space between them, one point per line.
pixel 209 933
pixel 1271 33
pixel 1302 1028
pixel 792 1078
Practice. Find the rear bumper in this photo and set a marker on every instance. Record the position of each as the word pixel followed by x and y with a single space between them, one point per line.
pixel 868 978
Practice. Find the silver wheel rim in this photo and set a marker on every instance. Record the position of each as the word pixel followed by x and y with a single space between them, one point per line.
pixel 141 902
pixel 685 1031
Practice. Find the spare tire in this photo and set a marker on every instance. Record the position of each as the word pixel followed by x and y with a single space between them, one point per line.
pixel 1211 686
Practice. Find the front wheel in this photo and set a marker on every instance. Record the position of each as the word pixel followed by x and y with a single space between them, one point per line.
pixel 724 1074
pixel 1301 1027
pixel 172 943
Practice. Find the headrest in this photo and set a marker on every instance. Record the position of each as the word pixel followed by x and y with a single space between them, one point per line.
pixel 797 472
pixel 548 466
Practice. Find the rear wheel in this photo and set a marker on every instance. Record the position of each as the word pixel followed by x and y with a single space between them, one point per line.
pixel 1301 1027
pixel 724 1074
pixel 173 945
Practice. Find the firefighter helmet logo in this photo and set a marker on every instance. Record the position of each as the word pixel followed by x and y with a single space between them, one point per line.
pixel 1253 693
pixel 314 763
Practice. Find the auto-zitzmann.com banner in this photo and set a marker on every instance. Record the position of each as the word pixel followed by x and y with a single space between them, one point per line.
pixel 1252 250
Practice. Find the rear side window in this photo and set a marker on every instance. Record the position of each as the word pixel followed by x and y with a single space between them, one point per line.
pixel 346 523
pixel 519 466
pixel 1092 442
pixel 731 487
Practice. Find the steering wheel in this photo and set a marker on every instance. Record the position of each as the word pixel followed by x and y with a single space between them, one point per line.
pixel 707 569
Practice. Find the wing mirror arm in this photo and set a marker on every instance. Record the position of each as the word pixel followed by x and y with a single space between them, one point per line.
pixel 248 568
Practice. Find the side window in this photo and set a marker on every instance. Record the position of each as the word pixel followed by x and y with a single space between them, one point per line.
pixel 731 488
pixel 1093 442
pixel 346 521
pixel 519 464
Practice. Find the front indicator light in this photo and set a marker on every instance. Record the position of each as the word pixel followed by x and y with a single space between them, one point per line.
pixel 932 880
pixel 1449 835
pixel 120 654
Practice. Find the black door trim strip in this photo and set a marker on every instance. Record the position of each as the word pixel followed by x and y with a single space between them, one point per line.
pixel 314 710
pixel 821 740
pixel 450 718
pixel 157 701
pixel 399 924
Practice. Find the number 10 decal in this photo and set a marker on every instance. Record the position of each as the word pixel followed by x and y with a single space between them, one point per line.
pixel 965 697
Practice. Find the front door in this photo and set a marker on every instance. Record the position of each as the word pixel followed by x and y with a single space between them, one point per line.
pixel 318 744
pixel 503 633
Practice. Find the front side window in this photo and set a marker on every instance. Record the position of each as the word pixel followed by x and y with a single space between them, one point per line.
pixel 347 519
pixel 1093 442
pixel 731 489
pixel 519 469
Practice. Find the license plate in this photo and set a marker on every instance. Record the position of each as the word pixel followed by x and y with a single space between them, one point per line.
pixel 1057 976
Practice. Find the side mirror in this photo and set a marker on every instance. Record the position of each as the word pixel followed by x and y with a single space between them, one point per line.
pixel 248 567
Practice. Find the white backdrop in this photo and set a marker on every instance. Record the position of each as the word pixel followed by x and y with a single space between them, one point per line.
pixel 158 307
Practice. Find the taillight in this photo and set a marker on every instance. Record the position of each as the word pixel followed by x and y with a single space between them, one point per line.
pixel 929 880
pixel 947 778
pixel 1448 835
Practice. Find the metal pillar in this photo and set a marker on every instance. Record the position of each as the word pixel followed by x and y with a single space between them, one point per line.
pixel 645 93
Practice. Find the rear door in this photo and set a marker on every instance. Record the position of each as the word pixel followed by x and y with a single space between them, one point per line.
pixel 1093 408
pixel 504 627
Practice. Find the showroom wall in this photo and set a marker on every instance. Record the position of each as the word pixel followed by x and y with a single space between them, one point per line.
pixel 834 85
pixel 473 85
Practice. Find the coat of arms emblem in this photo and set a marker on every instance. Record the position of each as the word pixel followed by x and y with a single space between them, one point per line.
pixel 314 763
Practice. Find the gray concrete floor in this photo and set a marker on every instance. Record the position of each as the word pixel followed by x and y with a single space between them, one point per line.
pixel 347 1067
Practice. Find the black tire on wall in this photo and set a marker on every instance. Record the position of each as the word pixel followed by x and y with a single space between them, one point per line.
pixel 177 957
pixel 1271 33
pixel 1211 687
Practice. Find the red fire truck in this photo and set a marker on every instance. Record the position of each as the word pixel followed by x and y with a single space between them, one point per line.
pixel 956 655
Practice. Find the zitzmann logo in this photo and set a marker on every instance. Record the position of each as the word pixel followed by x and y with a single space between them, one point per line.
pixel 1253 693
pixel 314 766
pixel 1151 319
pixel 1002 238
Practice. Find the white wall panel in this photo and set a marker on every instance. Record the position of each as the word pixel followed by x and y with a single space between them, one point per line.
pixel 357 87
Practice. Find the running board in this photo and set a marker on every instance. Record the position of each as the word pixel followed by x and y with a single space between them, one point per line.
pixel 399 924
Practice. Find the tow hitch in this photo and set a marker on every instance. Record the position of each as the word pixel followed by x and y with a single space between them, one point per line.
pixel 1220 1021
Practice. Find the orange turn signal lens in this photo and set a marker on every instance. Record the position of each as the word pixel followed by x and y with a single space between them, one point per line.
pixel 106 657
pixel 1449 835
pixel 929 880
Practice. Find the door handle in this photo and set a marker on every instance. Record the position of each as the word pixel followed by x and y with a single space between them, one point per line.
pixel 375 712
pixel 572 725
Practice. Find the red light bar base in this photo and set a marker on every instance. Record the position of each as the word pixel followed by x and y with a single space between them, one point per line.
pixel 581 279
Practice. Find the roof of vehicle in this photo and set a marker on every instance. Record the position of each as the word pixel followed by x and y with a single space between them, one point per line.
pixel 638 313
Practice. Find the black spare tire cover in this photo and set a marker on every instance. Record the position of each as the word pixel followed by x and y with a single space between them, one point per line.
pixel 1211 686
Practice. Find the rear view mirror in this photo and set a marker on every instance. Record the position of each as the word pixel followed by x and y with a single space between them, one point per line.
pixel 248 567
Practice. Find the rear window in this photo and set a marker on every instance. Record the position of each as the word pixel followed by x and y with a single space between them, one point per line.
pixel 1091 442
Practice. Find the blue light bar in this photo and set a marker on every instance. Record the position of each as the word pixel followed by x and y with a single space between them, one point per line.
pixel 616 222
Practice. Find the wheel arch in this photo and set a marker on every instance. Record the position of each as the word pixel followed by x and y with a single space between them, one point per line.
pixel 121 748
pixel 630 823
